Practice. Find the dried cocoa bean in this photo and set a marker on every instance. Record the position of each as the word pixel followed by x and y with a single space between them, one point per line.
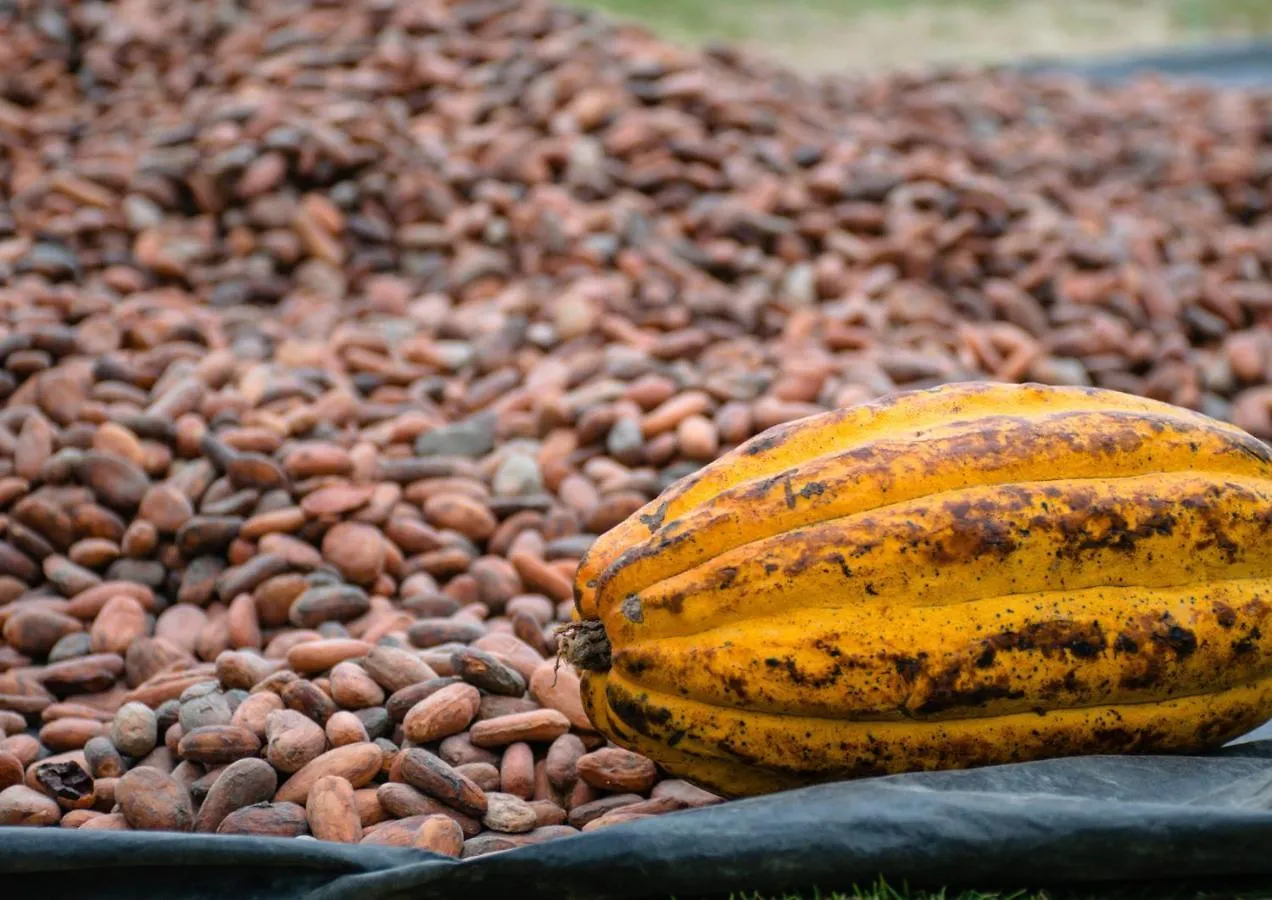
pixel 242 783
pixel 440 834
pixel 356 763
pixel 152 800
pixel 332 811
pixel 434 777
pixel 280 819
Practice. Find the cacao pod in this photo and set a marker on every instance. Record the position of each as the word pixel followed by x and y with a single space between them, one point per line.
pixel 969 575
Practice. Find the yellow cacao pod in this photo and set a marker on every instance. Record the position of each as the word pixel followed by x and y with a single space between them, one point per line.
pixel 965 576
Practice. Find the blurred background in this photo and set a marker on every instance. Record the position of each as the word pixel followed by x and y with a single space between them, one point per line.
pixel 866 35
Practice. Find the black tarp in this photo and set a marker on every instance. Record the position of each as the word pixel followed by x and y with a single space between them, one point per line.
pixel 1238 64
pixel 1085 820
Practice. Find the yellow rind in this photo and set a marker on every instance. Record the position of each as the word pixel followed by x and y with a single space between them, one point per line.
pixel 729 779
pixel 740 753
pixel 1012 653
pixel 901 417
pixel 879 475
pixel 972 544
pixel 970 575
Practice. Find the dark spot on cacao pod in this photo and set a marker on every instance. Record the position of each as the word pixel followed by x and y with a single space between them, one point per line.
pixel 636 554
pixel 1225 615
pixel 727 575
pixel 743 755
pixel 632 610
pixel 1125 644
pixel 825 646
pixel 634 665
pixel 1221 540
pixel 812 489
pixel 943 699
pixel 909 667
pixel 1179 639
pixel 653 521
pixel 804 679
pixel 637 712
pixel 838 559
pixel 1142 680
pixel 973 538
pixel 1054 639
pixel 1246 644
pixel 1253 447
pixel 764 442
pixel 1114 738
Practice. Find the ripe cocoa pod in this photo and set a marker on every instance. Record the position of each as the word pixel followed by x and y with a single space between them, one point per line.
pixel 953 520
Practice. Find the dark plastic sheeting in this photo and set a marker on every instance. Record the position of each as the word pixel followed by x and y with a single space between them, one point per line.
pixel 1238 64
pixel 1081 820
pixel 1085 820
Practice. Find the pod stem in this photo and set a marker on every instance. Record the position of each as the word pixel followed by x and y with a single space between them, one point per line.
pixel 585 645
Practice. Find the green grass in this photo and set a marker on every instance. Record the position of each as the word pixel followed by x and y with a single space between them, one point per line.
pixel 856 34
pixel 1205 17
pixel 734 19
pixel 726 20
pixel 881 890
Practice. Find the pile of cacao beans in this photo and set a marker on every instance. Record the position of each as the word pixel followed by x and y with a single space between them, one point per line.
pixel 332 334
